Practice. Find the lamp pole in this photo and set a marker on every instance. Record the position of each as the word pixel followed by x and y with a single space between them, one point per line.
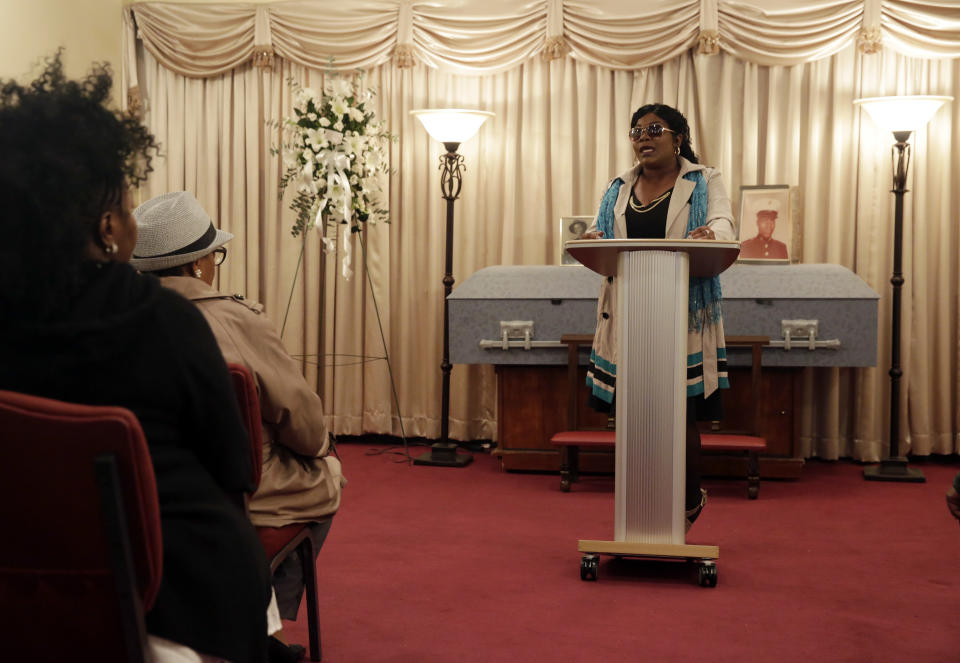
pixel 451 179
pixel 894 467
pixel 902 115
pixel 451 127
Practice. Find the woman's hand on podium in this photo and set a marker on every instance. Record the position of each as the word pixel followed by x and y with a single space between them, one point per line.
pixel 592 234
pixel 702 232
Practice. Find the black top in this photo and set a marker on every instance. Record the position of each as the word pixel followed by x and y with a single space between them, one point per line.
pixel 647 221
pixel 127 341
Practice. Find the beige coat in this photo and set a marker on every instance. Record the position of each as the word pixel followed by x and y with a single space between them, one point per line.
pixel 719 219
pixel 300 480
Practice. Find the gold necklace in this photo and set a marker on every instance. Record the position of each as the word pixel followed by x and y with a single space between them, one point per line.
pixel 643 209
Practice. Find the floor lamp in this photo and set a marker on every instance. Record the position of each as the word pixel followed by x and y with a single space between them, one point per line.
pixel 451 127
pixel 902 116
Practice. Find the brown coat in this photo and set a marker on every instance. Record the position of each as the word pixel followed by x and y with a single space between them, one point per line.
pixel 300 481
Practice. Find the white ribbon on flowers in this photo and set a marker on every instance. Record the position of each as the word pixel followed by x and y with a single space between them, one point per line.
pixel 336 162
pixel 329 244
pixel 347 271
pixel 319 217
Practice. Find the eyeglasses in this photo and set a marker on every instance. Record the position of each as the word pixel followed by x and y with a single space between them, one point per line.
pixel 654 130
pixel 219 255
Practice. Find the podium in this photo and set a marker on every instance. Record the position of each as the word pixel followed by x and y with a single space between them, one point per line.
pixel 653 277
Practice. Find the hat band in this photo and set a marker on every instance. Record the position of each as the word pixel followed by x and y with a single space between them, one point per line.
pixel 205 240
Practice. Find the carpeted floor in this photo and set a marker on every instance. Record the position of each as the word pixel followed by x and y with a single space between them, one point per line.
pixel 429 564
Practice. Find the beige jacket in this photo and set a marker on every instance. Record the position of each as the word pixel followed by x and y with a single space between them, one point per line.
pixel 719 219
pixel 300 481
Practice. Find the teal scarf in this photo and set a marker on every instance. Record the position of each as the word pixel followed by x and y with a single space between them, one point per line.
pixel 705 294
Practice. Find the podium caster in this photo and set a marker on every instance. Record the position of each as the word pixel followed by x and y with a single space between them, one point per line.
pixel 707 574
pixel 589 565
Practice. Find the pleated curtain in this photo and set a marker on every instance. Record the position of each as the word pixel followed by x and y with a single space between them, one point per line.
pixel 767 87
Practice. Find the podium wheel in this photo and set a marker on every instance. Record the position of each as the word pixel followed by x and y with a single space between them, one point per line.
pixel 589 565
pixel 707 572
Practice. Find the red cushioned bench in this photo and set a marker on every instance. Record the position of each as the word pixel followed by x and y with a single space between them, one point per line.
pixel 571 441
pixel 750 446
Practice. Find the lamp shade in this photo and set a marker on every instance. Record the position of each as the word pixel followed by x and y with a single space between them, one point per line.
pixel 907 113
pixel 451 125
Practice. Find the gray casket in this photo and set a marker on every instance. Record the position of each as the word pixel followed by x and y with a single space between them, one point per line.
pixel 815 315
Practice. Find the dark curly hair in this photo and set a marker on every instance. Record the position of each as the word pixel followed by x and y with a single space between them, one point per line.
pixel 675 121
pixel 67 159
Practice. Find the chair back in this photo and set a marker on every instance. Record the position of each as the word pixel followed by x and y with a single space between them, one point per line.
pixel 81 558
pixel 249 401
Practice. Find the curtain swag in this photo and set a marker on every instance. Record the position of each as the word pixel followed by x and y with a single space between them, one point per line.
pixel 492 36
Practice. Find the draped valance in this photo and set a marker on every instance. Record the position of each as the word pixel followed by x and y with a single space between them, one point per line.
pixel 488 36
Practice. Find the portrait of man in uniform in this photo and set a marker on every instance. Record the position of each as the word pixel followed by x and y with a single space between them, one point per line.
pixel 765 224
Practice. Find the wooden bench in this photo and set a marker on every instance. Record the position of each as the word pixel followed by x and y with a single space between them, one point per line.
pixel 571 441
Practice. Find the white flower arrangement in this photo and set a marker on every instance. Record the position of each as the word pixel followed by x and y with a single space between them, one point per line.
pixel 334 152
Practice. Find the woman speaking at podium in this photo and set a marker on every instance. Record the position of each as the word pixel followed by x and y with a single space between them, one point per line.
pixel 667 194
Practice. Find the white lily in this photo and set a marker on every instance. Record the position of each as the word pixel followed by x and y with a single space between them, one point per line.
pixel 355 114
pixel 340 87
pixel 338 106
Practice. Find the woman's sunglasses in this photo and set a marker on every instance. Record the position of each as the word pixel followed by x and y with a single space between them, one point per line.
pixel 654 130
pixel 219 255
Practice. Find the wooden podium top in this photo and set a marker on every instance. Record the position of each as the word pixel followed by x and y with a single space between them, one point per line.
pixel 708 257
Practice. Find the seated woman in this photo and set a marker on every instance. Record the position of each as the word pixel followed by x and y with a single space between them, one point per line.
pixel 301 481
pixel 78 324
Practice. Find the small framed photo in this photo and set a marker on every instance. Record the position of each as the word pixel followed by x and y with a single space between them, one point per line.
pixel 769 224
pixel 571 227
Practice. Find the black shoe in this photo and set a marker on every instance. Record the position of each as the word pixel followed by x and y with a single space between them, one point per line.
pixel 280 652
pixel 694 513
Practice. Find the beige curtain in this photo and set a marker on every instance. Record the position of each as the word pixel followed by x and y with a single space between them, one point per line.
pixel 765 113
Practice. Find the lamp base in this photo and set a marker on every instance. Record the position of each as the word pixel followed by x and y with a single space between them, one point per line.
pixel 444 455
pixel 893 469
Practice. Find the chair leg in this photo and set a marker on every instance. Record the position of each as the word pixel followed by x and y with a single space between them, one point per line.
pixel 310 587
pixel 574 463
pixel 565 469
pixel 753 476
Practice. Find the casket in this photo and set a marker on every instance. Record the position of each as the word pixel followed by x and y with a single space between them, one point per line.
pixel 513 317
pixel 815 315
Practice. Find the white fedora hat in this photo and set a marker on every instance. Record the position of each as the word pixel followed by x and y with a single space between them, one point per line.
pixel 173 229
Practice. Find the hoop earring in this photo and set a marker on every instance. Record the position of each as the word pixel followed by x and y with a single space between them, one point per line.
pixel 197 273
pixel 677 151
pixel 111 248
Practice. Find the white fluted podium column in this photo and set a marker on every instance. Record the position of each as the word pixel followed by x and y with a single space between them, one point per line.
pixel 651 396
pixel 653 297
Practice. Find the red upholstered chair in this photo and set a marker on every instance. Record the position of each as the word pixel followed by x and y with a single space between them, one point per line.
pixel 81 557
pixel 278 542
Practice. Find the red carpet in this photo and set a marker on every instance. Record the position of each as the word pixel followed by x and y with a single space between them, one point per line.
pixel 431 564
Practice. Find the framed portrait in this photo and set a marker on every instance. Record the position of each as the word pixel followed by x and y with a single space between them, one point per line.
pixel 769 224
pixel 571 227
